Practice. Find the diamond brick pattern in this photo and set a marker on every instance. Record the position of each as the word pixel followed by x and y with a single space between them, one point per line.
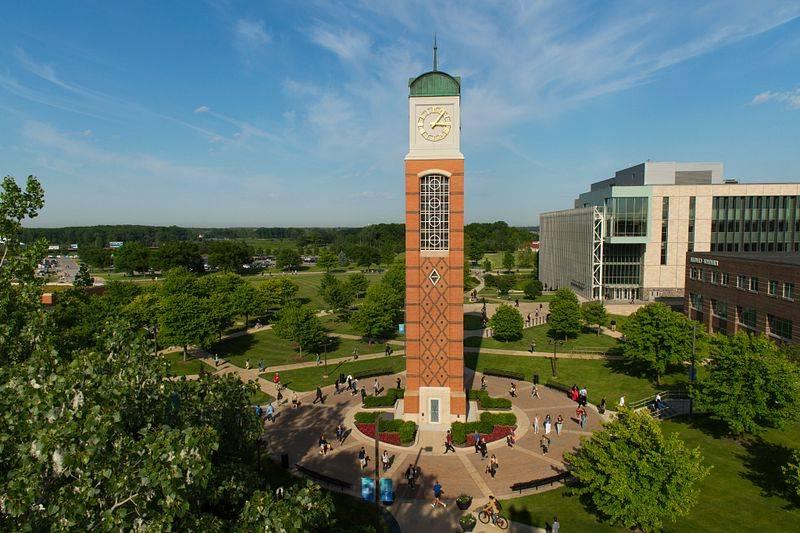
pixel 434 323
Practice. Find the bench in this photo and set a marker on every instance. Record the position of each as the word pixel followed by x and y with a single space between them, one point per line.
pixel 536 483
pixel 503 373
pixel 323 478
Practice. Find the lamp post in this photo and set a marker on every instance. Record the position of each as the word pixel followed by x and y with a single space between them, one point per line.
pixel 693 372
pixel 377 472
pixel 554 361
pixel 325 347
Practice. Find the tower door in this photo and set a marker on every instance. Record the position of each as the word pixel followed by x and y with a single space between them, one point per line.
pixel 434 410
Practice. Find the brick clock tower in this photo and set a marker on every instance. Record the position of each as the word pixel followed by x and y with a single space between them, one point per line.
pixel 435 252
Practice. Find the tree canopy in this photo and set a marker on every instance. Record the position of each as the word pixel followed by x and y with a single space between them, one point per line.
pixel 565 315
pixel 658 337
pixel 230 256
pixel 506 323
pixel 299 324
pixel 594 312
pixel 380 312
pixel 635 477
pixel 749 385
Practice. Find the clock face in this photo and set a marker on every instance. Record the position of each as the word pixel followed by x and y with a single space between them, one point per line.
pixel 434 123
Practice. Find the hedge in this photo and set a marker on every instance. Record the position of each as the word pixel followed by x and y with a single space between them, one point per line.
pixel 366 424
pixel 387 400
pixel 373 372
pixel 504 373
pixel 487 402
pixel 485 426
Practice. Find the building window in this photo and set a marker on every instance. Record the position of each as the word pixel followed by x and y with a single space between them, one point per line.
pixel 719 309
pixel 696 301
pixel 664 228
pixel 753 284
pixel 747 317
pixel 741 282
pixel 772 288
pixel 715 277
pixel 627 217
pixel 434 212
pixel 723 278
pixel 692 207
pixel 788 290
pixel 779 327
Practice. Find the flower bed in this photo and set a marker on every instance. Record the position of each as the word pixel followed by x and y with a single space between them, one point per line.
pixel 492 426
pixel 498 432
pixel 397 432
pixel 390 437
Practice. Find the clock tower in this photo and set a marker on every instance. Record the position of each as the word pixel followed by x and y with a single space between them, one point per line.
pixel 434 168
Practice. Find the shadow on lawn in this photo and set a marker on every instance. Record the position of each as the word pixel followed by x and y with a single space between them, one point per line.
pixel 763 461
pixel 637 369
pixel 233 346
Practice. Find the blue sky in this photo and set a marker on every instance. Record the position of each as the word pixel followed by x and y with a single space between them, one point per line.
pixel 290 113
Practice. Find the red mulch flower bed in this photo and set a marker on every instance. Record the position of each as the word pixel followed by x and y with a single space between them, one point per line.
pixel 391 437
pixel 498 432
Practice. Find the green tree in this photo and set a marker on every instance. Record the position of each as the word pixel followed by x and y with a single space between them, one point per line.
pixel 144 311
pixel 288 258
pixel 791 473
pixel 594 312
pixel 565 315
pixel 508 261
pixel 96 257
pixel 327 260
pixel 380 312
pixel 176 254
pixel 229 256
pixel 187 320
pixel 525 258
pixel 179 281
pixel 301 509
pixel 533 289
pixel 276 293
pixel 21 316
pixel 132 257
pixel 635 477
pixel 300 324
pixel 358 283
pixel 245 301
pixel 343 260
pixel 395 277
pixel 506 323
pixel 474 250
pixel 749 384
pixel 486 265
pixel 657 337
pixel 83 278
pixel 504 284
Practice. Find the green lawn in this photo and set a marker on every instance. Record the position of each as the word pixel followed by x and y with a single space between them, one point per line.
pixel 260 398
pixel 586 340
pixel 334 325
pixel 179 367
pixel 602 379
pixel 742 492
pixel 305 379
pixel 268 347
pixel 308 284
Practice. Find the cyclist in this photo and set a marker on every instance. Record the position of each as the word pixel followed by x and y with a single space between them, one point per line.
pixel 492 509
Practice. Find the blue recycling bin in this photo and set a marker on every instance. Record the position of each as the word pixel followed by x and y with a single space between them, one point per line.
pixel 387 494
pixel 368 489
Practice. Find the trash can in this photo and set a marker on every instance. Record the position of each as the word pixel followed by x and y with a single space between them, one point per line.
pixel 285 460
pixel 536 379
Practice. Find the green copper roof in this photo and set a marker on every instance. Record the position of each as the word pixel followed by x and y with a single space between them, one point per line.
pixel 435 83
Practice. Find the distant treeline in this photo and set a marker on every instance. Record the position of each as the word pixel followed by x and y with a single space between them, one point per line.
pixel 379 240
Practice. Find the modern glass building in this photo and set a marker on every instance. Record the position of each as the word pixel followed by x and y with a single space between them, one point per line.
pixel 647 217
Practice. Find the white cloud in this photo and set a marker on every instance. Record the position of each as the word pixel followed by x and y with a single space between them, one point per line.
pixel 250 36
pixel 201 109
pixel 87 133
pixel 790 98
pixel 348 44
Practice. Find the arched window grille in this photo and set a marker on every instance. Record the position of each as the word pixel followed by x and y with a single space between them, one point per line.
pixel 434 212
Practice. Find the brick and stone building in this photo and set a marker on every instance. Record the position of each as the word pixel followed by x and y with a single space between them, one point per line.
pixel 754 292
pixel 434 173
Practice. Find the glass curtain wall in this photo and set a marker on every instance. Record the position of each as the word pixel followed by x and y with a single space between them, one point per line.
pixel 755 224
pixel 626 217
pixel 622 270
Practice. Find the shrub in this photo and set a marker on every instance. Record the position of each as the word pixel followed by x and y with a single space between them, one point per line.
pixel 504 373
pixel 533 289
pixel 487 402
pixel 492 426
pixel 386 400
pixel 404 430
pixel 368 417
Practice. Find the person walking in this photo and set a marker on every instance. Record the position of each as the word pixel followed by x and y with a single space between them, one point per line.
pixel 363 394
pixel 484 450
pixel 376 387
pixel 476 438
pixel 336 388
pixel 511 438
pixel 260 366
pixel 532 347
pixel 324 445
pixel 584 418
pixel 295 401
pixel 545 444
pixel 437 495
pixel 319 396
pixel 483 383
pixel 547 424
pixel 536 424
pixel 513 390
pixel 340 434
pixel 385 460
pixel 276 379
pixel 579 413
pixel 388 350
pixel 216 359
pixel 556 526
pixel 535 392
pixel 398 383
pixel 355 352
pixel 271 413
pixel 362 458
pixel 448 442
pixel 411 475
pixel 602 407
pixel 559 425
pixel 247 364
pixel 528 320
pixel 491 468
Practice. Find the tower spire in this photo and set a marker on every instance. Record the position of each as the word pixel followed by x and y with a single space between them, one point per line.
pixel 435 54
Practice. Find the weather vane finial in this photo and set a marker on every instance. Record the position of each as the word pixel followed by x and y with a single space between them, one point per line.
pixel 435 54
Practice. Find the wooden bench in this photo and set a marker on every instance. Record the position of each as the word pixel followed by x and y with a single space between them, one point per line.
pixel 328 480
pixel 536 483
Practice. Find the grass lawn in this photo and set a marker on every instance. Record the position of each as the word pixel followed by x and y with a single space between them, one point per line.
pixel 260 398
pixel 179 367
pixel 334 325
pixel 742 492
pixel 587 340
pixel 305 379
pixel 621 319
pixel 602 379
pixel 472 321
pixel 268 347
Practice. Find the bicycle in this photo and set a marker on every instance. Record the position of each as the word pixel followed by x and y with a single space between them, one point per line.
pixel 499 521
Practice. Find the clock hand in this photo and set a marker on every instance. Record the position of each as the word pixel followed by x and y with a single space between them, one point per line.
pixel 436 122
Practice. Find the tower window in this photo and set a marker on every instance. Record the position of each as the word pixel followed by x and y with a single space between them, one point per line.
pixel 434 212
